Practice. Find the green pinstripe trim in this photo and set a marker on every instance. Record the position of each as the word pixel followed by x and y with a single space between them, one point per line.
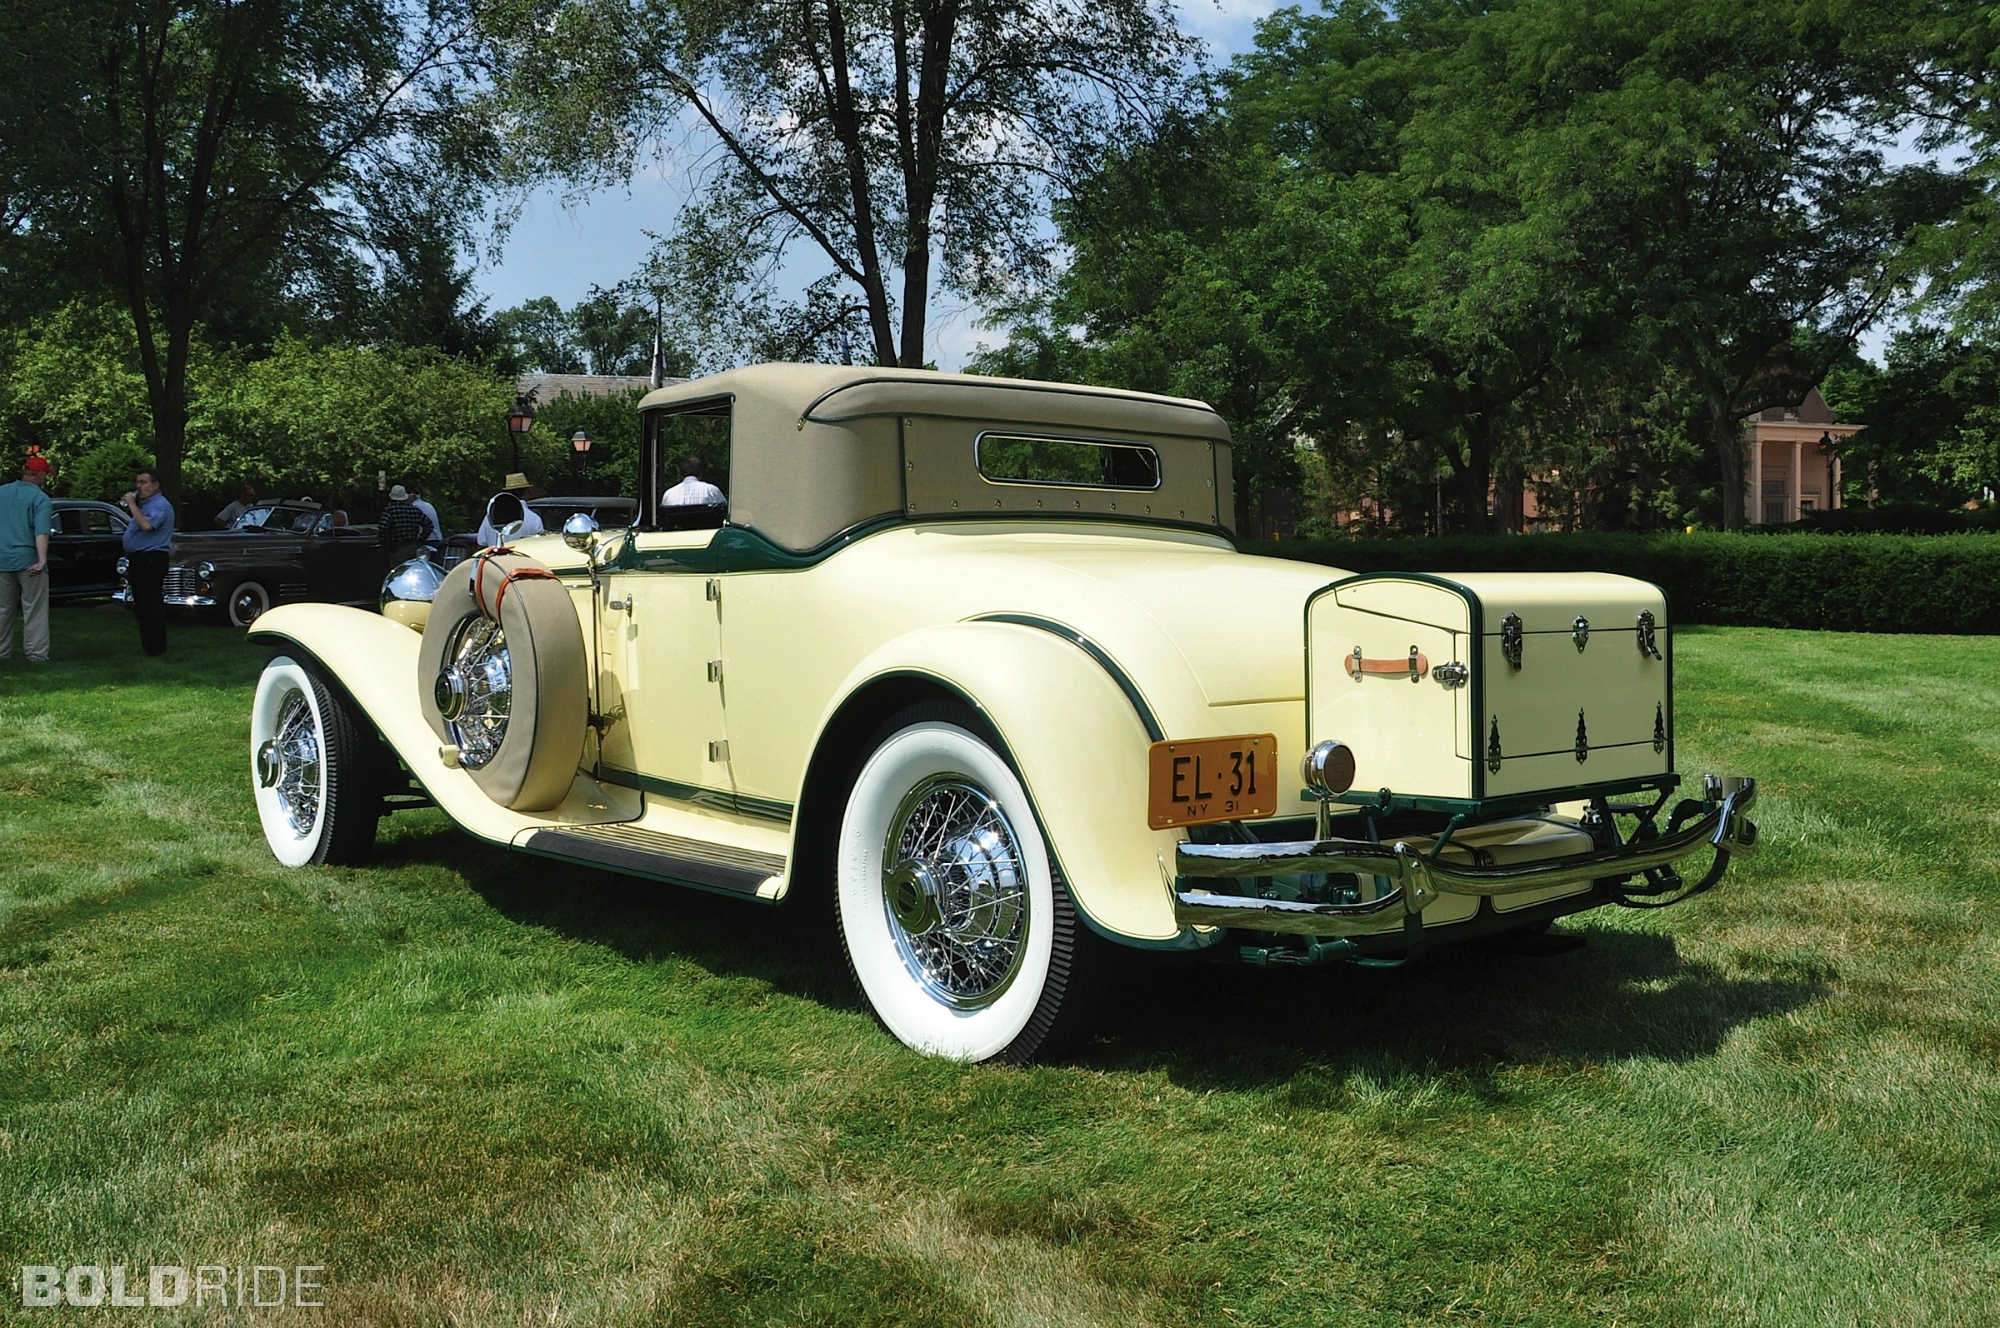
pixel 1096 652
pixel 741 804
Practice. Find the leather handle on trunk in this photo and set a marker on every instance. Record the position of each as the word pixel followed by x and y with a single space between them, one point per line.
pixel 1414 667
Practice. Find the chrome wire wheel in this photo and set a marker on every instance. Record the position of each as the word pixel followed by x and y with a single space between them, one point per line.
pixel 955 924
pixel 312 769
pixel 289 763
pixel 953 888
pixel 475 689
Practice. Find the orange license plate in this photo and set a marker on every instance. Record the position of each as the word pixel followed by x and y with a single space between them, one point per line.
pixel 1212 779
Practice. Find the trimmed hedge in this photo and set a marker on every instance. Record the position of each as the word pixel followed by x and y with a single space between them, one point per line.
pixel 1849 583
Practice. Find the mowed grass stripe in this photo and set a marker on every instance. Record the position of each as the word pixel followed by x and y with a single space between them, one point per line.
pixel 483 1088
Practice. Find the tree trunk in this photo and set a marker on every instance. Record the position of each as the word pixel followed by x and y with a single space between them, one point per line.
pixel 1476 480
pixel 847 125
pixel 921 145
pixel 1509 507
pixel 1726 432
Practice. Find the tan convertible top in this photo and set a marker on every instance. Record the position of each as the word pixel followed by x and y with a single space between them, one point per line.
pixel 816 449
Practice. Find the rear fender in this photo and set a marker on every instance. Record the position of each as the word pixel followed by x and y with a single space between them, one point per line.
pixel 1079 745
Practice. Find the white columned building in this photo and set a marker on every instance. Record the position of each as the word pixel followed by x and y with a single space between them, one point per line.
pixel 1793 455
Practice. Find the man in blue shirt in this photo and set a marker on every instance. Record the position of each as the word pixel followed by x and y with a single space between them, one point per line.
pixel 147 537
pixel 27 518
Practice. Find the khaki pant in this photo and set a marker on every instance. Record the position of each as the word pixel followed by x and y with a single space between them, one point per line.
pixel 25 593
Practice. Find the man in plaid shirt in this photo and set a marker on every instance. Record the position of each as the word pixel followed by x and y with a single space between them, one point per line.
pixel 401 523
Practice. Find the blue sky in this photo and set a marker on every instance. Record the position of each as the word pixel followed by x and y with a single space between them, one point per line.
pixel 563 250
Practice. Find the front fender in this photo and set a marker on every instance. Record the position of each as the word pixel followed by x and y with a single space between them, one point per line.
pixel 374 660
pixel 1079 745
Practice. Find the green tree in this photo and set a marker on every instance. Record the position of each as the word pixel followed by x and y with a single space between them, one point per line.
pixel 538 337
pixel 326 420
pixel 70 383
pixel 901 144
pixel 217 150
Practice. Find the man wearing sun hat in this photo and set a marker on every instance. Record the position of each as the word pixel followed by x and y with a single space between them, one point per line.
pixel 27 519
pixel 401 525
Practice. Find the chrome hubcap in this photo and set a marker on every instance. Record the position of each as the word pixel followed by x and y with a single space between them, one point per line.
pixel 475 690
pixel 955 892
pixel 288 763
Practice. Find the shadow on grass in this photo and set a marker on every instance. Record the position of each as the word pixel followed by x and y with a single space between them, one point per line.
pixel 1210 1025
pixel 1458 1011
pixel 790 947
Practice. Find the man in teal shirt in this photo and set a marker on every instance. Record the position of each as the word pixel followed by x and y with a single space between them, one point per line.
pixel 27 518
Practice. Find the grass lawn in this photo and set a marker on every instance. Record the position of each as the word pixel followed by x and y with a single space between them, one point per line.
pixel 485 1089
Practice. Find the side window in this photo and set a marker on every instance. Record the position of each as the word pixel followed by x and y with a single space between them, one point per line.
pixel 69 521
pixel 96 521
pixel 1066 462
pixel 685 467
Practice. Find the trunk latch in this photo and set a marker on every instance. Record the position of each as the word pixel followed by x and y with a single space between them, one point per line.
pixel 1493 748
pixel 1649 644
pixel 1582 738
pixel 1579 632
pixel 1510 639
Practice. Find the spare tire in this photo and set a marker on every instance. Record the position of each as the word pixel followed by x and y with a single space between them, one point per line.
pixel 501 677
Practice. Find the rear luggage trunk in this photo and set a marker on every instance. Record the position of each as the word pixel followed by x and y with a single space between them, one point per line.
pixel 1476 692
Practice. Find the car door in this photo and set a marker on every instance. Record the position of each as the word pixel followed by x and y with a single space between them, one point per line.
pixel 84 551
pixel 659 660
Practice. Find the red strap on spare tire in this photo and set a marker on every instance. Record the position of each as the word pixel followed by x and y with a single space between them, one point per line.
pixel 512 575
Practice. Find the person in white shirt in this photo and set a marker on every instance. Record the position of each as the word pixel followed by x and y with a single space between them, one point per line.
pixel 693 490
pixel 431 514
pixel 502 509
pixel 245 500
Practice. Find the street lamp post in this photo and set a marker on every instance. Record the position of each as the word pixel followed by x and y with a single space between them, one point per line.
pixel 579 453
pixel 519 421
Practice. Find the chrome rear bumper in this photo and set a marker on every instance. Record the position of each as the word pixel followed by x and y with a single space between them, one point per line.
pixel 1416 880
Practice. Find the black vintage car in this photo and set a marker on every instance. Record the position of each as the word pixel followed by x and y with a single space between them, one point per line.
pixel 276 553
pixel 89 540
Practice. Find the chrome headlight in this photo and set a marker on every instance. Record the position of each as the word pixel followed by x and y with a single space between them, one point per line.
pixel 204 572
pixel 416 580
pixel 124 566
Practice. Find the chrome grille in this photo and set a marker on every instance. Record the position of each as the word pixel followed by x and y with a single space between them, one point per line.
pixel 181 581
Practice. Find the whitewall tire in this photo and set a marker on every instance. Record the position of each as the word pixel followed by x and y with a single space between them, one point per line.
pixel 956 926
pixel 312 768
pixel 246 603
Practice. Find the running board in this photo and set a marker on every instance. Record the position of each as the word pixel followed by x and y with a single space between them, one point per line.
pixel 626 848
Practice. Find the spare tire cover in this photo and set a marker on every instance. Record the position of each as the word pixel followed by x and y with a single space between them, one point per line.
pixel 515 701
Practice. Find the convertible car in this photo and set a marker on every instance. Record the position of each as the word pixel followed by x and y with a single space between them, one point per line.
pixel 273 553
pixel 977 661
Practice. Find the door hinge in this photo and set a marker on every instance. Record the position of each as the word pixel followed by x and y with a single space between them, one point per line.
pixel 715 589
pixel 715 670
pixel 1493 748
pixel 1582 740
pixel 718 752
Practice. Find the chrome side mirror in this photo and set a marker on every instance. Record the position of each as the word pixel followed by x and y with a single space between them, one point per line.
pixel 509 532
pixel 580 531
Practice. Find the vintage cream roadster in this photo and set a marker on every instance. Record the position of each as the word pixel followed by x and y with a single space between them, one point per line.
pixel 978 660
